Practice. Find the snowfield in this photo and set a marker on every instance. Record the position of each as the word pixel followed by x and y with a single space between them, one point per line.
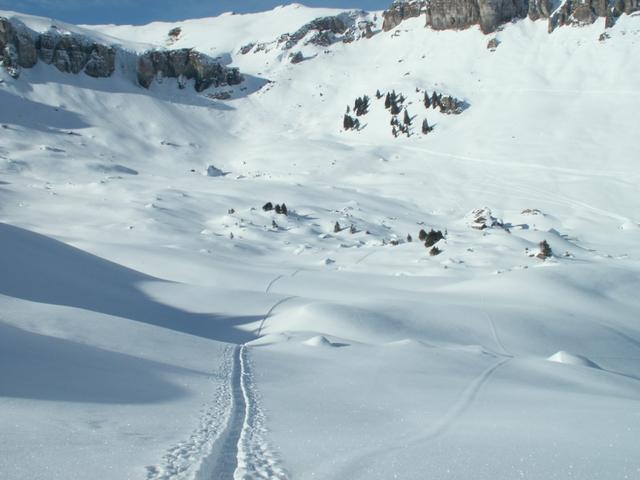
pixel 156 323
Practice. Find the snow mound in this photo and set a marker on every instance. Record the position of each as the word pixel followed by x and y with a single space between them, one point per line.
pixel 318 341
pixel 570 359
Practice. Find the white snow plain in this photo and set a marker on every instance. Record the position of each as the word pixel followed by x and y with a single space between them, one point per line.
pixel 130 279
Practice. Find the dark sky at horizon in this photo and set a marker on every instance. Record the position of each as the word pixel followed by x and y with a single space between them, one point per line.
pixel 144 11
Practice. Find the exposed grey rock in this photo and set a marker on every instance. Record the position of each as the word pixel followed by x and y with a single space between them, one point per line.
pixel 185 64
pixel 102 61
pixel 493 44
pixel 26 48
pixel 451 105
pixel 496 12
pixel 490 14
pixel 296 57
pixel 7 34
pixel 400 11
pixel 70 54
pixel 46 45
pixel 74 53
pixel 329 30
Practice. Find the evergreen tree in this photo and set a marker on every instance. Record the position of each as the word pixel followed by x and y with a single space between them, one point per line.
pixel 433 237
pixel 267 206
pixel 347 122
pixel 407 118
pixel 352 229
pixel 284 209
pixel 425 127
pixel 378 94
pixel 427 100
pixel 336 228
pixel 409 238
pixel 395 109
pixel 434 100
pixel 387 101
pixel 422 235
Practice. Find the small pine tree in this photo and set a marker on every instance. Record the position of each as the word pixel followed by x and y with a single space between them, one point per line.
pixel 422 235
pixel 352 229
pixel 435 102
pixel 278 209
pixel 347 122
pixel 395 108
pixel 284 209
pixel 433 237
pixel 387 101
pixel 427 100
pixel 267 207
pixel 435 251
pixel 336 228
pixel 378 94
pixel 407 118
pixel 425 127
pixel 409 238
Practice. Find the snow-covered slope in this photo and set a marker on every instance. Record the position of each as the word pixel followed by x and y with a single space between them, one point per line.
pixel 129 277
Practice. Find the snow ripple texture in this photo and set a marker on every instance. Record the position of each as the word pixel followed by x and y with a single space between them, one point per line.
pixel 187 459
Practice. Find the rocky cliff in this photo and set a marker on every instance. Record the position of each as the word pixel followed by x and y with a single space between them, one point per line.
pixel 70 53
pixel 489 14
pixel 185 64
pixel 21 48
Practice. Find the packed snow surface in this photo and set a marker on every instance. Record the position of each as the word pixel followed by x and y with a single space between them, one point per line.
pixel 157 323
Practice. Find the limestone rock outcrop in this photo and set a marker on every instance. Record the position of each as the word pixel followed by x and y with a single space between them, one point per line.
pixel 68 52
pixel 490 14
pixel 185 64
pixel 73 53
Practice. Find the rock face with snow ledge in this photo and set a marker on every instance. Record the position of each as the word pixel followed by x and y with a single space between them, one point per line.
pixel 490 14
pixel 185 64
pixel 69 52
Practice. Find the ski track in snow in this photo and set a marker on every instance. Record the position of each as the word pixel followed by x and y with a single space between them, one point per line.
pixel 440 427
pixel 181 461
pixel 465 401
pixel 496 337
pixel 230 442
pixel 272 283
pixel 270 312
pixel 255 458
